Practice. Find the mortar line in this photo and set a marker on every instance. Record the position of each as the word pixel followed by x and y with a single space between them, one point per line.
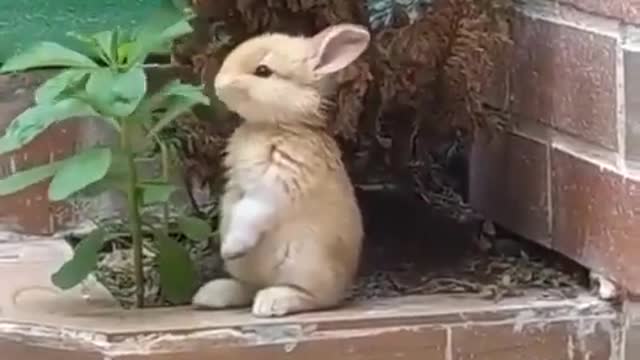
pixel 621 116
pixel 549 192
pixel 562 14
pixel 448 351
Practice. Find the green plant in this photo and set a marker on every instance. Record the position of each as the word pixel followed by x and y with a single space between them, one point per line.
pixel 109 81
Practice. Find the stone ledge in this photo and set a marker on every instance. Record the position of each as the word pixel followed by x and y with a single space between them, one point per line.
pixel 45 324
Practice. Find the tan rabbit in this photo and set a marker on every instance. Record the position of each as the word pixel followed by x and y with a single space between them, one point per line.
pixel 291 228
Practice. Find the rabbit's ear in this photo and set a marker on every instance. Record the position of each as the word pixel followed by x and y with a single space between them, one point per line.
pixel 335 47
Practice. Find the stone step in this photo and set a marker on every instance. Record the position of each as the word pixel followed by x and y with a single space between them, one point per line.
pixel 38 322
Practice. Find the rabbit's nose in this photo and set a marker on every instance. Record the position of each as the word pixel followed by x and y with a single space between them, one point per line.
pixel 222 82
pixel 226 89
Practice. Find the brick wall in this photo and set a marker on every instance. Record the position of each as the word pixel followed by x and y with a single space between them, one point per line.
pixel 29 211
pixel 567 172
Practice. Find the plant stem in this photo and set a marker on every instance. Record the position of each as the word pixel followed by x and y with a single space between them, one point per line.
pixel 165 177
pixel 133 200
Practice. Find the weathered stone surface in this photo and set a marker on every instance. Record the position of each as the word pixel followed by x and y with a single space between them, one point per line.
pixel 15 349
pixel 43 323
pixel 553 341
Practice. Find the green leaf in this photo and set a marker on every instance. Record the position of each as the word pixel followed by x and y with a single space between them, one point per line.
pixel 102 45
pixel 174 31
pixel 55 86
pixel 182 5
pixel 20 180
pixel 47 54
pixel 177 272
pixel 117 94
pixel 177 99
pixel 105 41
pixel 83 262
pixel 101 186
pixel 194 93
pixel 175 108
pixel 194 228
pixel 157 193
pixel 80 171
pixel 124 51
pixel 115 179
pixel 124 46
pixel 173 89
pixel 92 48
pixel 38 118
pixel 165 24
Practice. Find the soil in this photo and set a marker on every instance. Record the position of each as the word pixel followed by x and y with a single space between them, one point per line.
pixel 414 249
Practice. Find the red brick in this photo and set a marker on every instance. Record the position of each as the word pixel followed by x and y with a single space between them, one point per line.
pixel 509 183
pixel 19 350
pixel 627 10
pixel 595 217
pixel 29 210
pixel 533 341
pixel 632 103
pixel 565 77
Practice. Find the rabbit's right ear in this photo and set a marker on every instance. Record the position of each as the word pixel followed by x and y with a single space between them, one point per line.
pixel 335 47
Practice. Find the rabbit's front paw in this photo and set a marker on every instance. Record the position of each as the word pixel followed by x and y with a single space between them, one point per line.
pixel 280 301
pixel 223 293
pixel 237 244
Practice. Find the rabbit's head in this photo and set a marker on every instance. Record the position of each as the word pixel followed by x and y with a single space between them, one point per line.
pixel 281 78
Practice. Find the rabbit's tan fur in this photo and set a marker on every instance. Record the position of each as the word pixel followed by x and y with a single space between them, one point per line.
pixel 291 229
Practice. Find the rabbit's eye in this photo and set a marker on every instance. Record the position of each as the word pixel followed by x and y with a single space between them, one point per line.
pixel 263 71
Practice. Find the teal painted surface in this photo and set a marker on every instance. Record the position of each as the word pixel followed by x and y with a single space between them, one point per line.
pixel 23 22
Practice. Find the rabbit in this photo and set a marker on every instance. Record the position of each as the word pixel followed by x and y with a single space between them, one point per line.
pixel 291 228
